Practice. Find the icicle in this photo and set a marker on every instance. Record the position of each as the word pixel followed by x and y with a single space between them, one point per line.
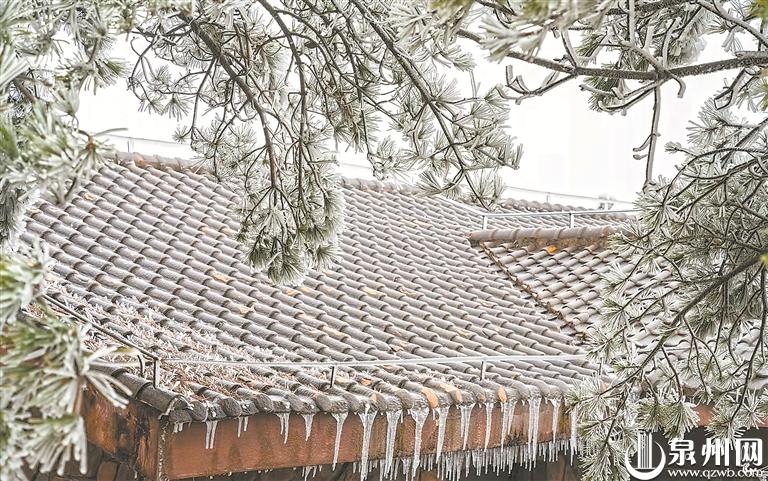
pixel 308 417
pixel 442 420
pixel 284 420
pixel 407 467
pixel 389 452
pixel 467 463
pixel 555 421
pixel 366 419
pixel 419 416
pixel 310 471
pixel 574 416
pixel 178 427
pixel 511 418
pixel 488 419
pixel 339 417
pixel 533 428
pixel 240 425
pixel 466 412
pixel 505 415
pixel 210 433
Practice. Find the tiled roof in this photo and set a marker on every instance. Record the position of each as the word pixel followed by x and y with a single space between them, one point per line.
pixel 148 252
pixel 562 268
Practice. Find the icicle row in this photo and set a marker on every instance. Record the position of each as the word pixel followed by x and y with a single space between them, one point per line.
pixel 450 466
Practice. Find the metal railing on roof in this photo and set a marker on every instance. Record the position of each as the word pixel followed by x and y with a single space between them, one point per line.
pixel 335 365
pixel 156 361
pixel 153 358
pixel 571 214
pixel 549 195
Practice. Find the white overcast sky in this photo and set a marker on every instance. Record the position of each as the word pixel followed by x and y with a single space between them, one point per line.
pixel 568 148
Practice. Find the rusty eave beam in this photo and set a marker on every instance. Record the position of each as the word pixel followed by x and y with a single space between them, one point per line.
pixel 139 437
pixel 130 435
pixel 261 446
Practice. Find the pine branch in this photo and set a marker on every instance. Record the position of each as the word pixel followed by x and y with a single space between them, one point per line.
pixel 243 86
pixel 715 9
pixel 744 60
pixel 653 138
pixel 418 82
pixel 648 7
pixel 24 91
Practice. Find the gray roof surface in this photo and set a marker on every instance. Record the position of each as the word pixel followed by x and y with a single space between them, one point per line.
pixel 148 252
pixel 562 268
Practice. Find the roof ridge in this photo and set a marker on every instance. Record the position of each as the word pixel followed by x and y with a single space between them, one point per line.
pixel 180 164
pixel 379 185
pixel 547 306
pixel 196 166
pixel 534 205
pixel 548 235
pixel 158 161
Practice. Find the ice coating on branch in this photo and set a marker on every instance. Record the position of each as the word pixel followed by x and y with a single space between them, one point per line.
pixel 393 418
pixel 284 420
pixel 210 433
pixel 488 419
pixel 308 418
pixel 339 417
pixel 442 420
pixel 419 415
pixel 466 412
pixel 366 419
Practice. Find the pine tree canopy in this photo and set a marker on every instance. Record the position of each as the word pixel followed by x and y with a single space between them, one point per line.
pixel 701 235
pixel 265 92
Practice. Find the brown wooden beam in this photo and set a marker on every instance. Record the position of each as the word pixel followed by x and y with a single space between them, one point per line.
pixel 137 437
pixel 261 445
pixel 129 435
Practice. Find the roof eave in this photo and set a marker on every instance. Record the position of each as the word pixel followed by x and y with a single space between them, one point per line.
pixel 130 435
pixel 230 446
